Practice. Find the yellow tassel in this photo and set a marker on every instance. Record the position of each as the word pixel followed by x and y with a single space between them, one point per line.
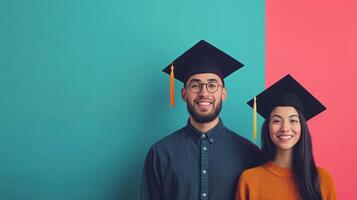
pixel 172 86
pixel 255 119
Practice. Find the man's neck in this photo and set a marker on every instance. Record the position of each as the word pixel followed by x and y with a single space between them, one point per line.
pixel 204 127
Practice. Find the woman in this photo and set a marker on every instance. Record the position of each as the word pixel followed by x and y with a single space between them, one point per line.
pixel 290 171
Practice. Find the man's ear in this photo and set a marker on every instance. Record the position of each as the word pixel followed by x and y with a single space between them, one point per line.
pixel 184 94
pixel 224 94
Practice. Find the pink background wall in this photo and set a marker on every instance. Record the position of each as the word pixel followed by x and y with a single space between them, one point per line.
pixel 316 42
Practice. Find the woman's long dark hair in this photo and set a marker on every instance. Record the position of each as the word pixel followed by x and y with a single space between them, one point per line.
pixel 303 164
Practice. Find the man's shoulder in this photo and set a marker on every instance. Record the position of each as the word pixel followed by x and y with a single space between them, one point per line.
pixel 170 140
pixel 241 141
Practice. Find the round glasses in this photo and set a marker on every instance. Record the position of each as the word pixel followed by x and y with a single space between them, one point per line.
pixel 211 87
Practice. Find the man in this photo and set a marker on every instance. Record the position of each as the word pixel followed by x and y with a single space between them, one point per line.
pixel 204 159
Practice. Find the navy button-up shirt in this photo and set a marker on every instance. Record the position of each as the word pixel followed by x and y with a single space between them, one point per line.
pixel 190 165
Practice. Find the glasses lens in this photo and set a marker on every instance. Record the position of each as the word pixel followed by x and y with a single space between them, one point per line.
pixel 212 86
pixel 195 87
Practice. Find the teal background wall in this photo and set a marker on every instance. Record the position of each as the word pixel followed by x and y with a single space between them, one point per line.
pixel 83 97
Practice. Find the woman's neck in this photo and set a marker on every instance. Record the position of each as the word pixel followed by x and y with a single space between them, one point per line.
pixel 283 158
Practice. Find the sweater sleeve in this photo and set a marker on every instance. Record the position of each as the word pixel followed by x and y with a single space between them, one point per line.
pixel 326 183
pixel 242 192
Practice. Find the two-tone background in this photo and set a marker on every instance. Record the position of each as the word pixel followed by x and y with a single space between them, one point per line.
pixel 82 96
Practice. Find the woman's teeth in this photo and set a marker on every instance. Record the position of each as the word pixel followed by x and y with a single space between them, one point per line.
pixel 285 136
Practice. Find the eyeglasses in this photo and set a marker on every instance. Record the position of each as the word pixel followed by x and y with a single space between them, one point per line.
pixel 211 87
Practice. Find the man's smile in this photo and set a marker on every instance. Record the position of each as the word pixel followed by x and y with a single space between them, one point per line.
pixel 204 103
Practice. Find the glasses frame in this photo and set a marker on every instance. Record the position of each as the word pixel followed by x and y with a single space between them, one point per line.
pixel 203 84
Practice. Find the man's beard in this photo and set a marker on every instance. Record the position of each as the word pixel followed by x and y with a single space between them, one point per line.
pixel 204 118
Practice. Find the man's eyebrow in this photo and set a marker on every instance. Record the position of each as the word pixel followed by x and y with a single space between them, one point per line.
pixel 199 80
pixel 212 79
pixel 195 80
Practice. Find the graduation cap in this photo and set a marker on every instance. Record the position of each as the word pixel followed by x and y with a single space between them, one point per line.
pixel 285 92
pixel 201 58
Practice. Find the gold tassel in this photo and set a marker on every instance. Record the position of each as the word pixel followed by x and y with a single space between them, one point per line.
pixel 255 119
pixel 172 86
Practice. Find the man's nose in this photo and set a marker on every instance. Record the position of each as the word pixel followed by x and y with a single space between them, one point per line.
pixel 203 91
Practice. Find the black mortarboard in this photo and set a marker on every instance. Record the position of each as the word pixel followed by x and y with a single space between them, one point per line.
pixel 287 92
pixel 201 58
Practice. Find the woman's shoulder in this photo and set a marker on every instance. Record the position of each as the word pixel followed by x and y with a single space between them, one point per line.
pixel 251 176
pixel 326 183
pixel 251 172
pixel 325 178
pixel 324 174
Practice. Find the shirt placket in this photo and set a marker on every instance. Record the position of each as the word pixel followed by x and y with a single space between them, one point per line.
pixel 204 167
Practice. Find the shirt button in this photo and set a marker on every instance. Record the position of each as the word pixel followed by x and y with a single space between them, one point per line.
pixel 204 148
pixel 203 136
pixel 211 140
pixel 204 171
pixel 204 194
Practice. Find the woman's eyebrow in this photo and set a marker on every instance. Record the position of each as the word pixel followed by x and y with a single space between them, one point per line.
pixel 276 116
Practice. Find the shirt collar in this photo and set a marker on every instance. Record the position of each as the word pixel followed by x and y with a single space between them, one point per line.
pixel 213 134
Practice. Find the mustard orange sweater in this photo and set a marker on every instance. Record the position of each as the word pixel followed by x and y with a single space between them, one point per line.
pixel 272 182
